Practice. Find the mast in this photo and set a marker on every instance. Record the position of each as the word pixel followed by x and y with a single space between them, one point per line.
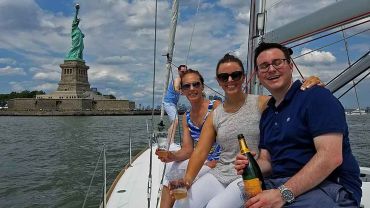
pixel 171 44
pixel 256 30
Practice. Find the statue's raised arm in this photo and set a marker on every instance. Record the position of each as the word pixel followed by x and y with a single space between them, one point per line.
pixel 76 51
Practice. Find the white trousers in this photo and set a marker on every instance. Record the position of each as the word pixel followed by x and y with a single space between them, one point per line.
pixel 208 192
pixel 183 165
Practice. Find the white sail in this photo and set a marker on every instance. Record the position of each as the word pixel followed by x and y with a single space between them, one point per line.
pixel 171 44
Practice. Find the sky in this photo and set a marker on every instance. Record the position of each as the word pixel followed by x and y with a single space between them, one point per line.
pixel 119 43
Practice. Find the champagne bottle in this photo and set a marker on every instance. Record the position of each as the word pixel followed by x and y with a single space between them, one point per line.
pixel 252 176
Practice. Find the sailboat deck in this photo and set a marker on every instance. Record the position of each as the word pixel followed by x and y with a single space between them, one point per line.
pixel 131 188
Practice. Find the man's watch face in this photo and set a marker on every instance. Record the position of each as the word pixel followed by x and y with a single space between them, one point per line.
pixel 287 195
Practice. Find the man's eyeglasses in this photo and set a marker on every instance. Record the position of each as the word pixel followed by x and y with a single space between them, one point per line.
pixel 187 86
pixel 276 63
pixel 224 77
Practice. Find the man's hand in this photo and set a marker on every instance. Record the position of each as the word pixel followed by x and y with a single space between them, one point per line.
pixel 241 162
pixel 266 199
pixel 311 81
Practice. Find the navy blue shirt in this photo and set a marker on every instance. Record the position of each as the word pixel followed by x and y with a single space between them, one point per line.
pixel 287 132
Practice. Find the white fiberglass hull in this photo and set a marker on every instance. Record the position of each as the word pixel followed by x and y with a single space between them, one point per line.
pixel 130 187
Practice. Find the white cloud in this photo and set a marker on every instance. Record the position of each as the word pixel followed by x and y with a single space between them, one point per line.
pixel 8 70
pixel 316 57
pixel 119 41
pixel 16 87
pixel 114 60
pixel 46 87
pixel 47 76
pixel 109 74
pixel 139 94
pixel 243 17
pixel 234 3
pixel 9 61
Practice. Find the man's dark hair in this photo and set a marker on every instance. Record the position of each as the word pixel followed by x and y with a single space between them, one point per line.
pixel 182 65
pixel 229 58
pixel 265 46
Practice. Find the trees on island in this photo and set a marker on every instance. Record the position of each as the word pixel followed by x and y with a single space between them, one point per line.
pixel 24 94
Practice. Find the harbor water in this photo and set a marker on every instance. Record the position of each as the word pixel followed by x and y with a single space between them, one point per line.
pixel 49 161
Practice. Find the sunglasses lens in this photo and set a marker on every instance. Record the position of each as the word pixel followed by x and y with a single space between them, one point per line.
pixel 196 85
pixel 236 75
pixel 185 86
pixel 223 77
pixel 188 86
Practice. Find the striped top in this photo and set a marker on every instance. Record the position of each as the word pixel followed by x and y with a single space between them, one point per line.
pixel 214 154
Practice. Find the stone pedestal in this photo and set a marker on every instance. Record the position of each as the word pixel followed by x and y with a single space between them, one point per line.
pixel 74 77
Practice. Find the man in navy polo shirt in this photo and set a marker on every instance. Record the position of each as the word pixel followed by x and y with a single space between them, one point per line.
pixel 304 144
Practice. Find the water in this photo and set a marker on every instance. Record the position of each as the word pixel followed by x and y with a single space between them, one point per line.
pixel 49 161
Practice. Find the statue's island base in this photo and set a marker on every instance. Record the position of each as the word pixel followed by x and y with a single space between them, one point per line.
pixel 75 113
pixel 79 113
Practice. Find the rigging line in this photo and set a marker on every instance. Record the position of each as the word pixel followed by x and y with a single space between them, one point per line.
pixel 161 185
pixel 299 71
pixel 213 90
pixel 249 81
pixel 331 43
pixel 92 178
pixel 123 162
pixel 355 84
pixel 366 54
pixel 149 185
pixel 274 5
pixel 349 64
pixel 330 34
pixel 206 85
pixel 209 87
pixel 154 58
pixel 192 33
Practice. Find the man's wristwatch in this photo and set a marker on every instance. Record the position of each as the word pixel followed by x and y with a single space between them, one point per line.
pixel 286 194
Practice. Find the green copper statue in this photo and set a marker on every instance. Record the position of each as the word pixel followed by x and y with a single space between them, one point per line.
pixel 75 53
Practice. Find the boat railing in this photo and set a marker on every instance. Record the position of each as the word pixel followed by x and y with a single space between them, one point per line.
pixel 104 178
pixel 365 174
pixel 130 147
pixel 149 185
pixel 102 153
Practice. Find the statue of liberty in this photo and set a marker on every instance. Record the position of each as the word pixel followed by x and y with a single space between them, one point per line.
pixel 75 53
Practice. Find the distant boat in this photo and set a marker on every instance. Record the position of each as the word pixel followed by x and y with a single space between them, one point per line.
pixel 356 112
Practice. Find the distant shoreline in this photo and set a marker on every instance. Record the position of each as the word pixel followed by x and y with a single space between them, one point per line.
pixel 79 113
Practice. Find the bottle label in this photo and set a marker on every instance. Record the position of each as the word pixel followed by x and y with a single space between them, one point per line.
pixel 252 187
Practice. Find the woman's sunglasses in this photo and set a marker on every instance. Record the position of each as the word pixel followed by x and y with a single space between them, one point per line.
pixel 224 77
pixel 187 86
